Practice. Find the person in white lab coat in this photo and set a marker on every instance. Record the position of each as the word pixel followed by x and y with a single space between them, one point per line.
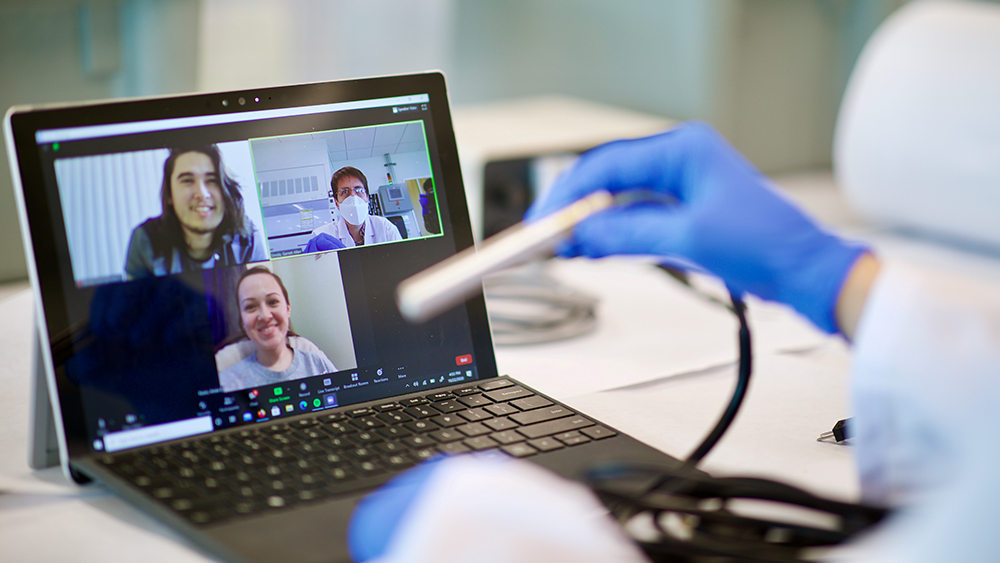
pixel 354 226
pixel 925 387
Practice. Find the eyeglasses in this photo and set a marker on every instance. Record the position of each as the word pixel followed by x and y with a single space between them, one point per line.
pixel 346 192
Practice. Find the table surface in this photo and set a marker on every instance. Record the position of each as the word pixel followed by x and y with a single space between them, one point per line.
pixel 668 400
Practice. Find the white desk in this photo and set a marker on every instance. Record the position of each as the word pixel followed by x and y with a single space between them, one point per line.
pixel 794 396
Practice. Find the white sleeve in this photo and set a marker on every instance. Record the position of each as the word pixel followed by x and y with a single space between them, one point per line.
pixel 389 231
pixel 926 379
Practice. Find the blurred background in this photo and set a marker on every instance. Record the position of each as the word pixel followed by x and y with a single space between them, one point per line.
pixel 768 73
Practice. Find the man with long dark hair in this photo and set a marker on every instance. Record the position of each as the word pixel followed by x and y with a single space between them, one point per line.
pixel 202 224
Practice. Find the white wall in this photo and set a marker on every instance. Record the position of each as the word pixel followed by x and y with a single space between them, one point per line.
pixel 409 166
pixel 323 319
pixel 253 43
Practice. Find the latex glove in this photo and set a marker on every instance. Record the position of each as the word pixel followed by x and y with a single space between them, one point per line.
pixel 323 241
pixel 486 508
pixel 728 219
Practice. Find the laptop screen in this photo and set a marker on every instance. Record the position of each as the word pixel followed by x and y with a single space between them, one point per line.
pixel 210 268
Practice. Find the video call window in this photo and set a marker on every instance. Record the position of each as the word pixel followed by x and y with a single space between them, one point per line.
pixel 159 212
pixel 345 188
pixel 280 321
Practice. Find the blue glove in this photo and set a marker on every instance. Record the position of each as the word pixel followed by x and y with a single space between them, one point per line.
pixel 379 514
pixel 728 219
pixel 323 241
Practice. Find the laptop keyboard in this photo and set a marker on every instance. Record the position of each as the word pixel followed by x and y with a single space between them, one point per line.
pixel 275 466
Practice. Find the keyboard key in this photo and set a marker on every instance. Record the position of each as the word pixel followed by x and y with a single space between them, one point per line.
pixel 391 447
pixel 501 409
pixel 335 442
pixel 367 467
pixel 519 450
pixel 447 435
pixel 338 473
pixel 473 429
pixel 541 415
pixel 337 426
pixel 276 501
pixel 473 415
pixel 334 458
pixel 362 438
pixel 164 493
pixel 434 397
pixel 393 432
pixel 314 434
pixel 480 443
pixel 413 401
pixel 182 504
pixel 424 453
pixel 418 441
pixel 311 481
pixel 572 438
pixel 507 437
pixel 453 448
pixel 367 423
pixel 307 495
pixel 448 406
pixel 397 461
pixel 501 423
pixel 465 391
pixel 394 417
pixel 362 453
pixel 447 420
pixel 598 432
pixel 419 426
pixel 476 400
pixel 554 426
pixel 420 411
pixel 508 393
pixel 529 403
pixel 492 384
pixel 546 444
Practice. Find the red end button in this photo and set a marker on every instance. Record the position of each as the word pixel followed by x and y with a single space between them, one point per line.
pixel 463 360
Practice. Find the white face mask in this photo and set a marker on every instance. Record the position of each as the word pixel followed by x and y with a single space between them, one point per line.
pixel 354 210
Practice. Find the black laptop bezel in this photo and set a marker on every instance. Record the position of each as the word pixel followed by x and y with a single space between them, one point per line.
pixel 42 218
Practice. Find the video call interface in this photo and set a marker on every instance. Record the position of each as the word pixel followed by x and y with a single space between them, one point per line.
pixel 244 270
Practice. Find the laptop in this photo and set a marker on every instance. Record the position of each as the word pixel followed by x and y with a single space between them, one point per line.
pixel 172 240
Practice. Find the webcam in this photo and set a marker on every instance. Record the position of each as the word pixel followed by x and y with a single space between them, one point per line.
pixel 241 101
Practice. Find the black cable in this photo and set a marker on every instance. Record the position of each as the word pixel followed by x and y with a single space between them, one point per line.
pixel 739 392
pixel 690 512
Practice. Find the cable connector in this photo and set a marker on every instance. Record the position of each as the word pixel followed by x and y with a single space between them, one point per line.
pixel 839 434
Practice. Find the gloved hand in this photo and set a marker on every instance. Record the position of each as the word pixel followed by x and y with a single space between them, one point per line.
pixel 323 241
pixel 485 507
pixel 379 515
pixel 728 219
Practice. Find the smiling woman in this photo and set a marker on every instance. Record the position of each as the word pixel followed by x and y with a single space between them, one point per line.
pixel 202 224
pixel 265 319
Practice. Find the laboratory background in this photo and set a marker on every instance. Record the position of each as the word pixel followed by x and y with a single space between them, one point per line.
pixel 769 74
pixel 879 117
